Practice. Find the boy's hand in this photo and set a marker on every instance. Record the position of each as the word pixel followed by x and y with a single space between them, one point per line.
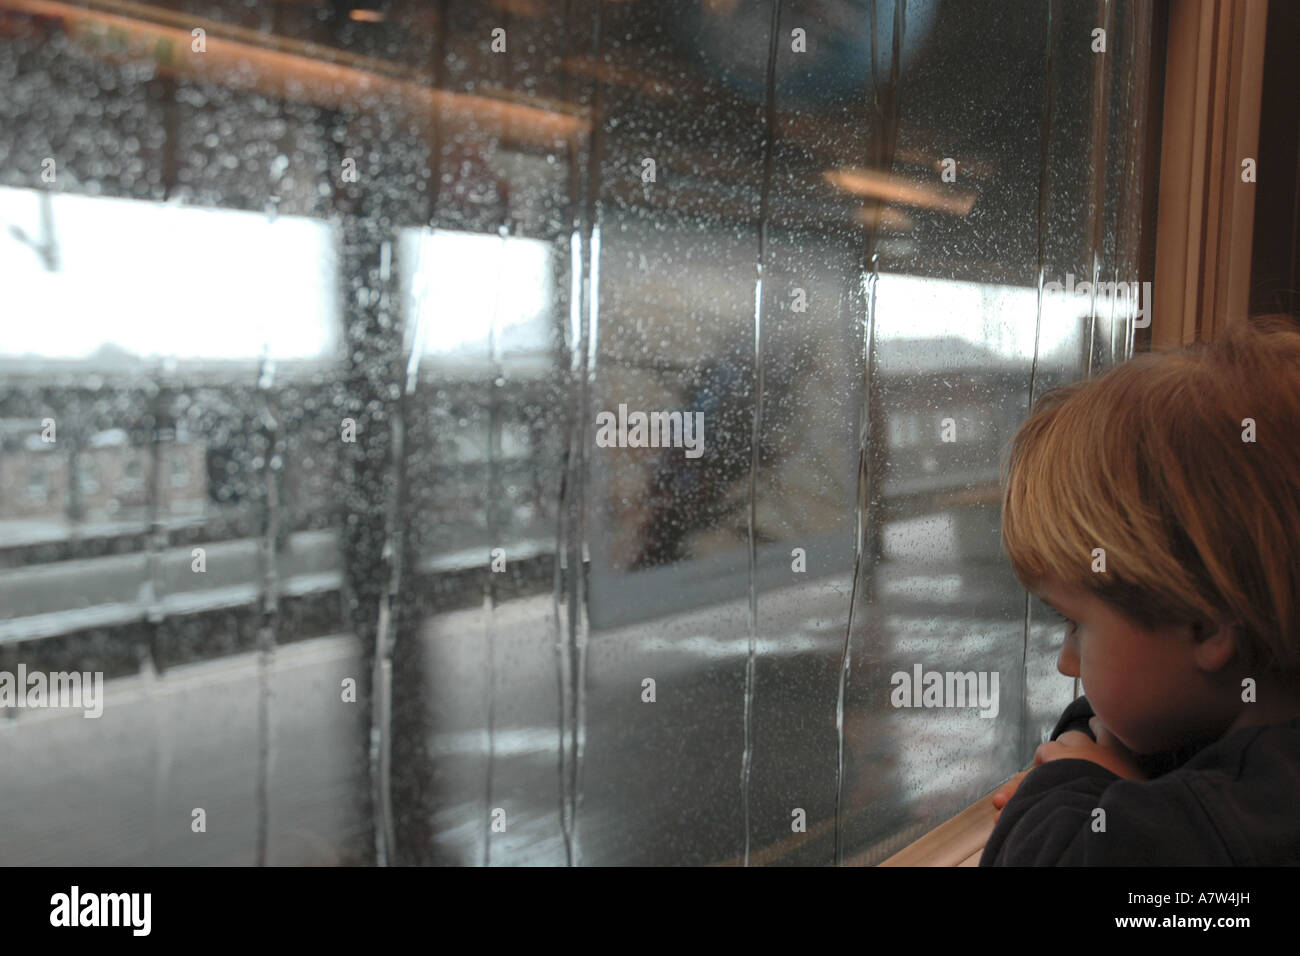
pixel 1003 793
pixel 1106 751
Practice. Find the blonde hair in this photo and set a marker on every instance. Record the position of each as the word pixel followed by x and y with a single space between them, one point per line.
pixel 1150 462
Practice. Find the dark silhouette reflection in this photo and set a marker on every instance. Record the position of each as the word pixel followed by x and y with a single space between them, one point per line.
pixel 690 495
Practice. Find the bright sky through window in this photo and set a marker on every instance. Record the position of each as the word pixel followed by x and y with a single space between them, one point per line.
pixel 191 282
pixel 165 280
pixel 471 289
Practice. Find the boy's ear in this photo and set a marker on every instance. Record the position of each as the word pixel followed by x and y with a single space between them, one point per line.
pixel 1216 644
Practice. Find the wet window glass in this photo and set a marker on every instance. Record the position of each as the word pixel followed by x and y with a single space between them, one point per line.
pixel 538 433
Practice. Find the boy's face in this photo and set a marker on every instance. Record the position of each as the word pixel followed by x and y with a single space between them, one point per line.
pixel 1150 688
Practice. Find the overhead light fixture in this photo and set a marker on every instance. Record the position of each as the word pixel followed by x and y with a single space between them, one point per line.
pixel 875 184
pixel 366 15
pixel 237 58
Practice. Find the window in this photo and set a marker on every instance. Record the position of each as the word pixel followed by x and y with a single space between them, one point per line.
pixel 180 472
pixel 37 489
pixel 88 475
pixel 648 413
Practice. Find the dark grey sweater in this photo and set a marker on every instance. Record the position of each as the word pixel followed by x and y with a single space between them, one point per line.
pixel 1235 802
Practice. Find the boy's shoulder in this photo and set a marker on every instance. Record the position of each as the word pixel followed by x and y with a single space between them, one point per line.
pixel 1230 804
pixel 1249 784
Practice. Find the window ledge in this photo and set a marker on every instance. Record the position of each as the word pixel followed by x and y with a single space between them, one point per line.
pixel 955 842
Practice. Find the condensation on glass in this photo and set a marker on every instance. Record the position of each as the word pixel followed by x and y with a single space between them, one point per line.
pixel 327 329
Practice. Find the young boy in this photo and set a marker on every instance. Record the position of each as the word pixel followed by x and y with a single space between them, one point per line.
pixel 1157 508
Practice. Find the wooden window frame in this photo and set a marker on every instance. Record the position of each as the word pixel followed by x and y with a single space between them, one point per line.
pixel 1214 74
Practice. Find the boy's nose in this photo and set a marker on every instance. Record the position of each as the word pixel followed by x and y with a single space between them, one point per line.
pixel 1068 662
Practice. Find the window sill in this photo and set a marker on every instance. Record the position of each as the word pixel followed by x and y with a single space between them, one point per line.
pixel 955 842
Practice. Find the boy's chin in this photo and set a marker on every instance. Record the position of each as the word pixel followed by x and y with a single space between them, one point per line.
pixel 1145 745
pixel 1143 749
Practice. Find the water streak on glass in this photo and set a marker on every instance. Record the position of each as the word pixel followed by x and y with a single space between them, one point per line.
pixel 496 384
pixel 1044 193
pixel 580 561
pixel 1096 207
pixel 385 632
pixel 885 117
pixel 269 582
pixel 747 758
pixel 154 585
pixel 569 589
pixel 577 556
pixel 566 578
pixel 395 547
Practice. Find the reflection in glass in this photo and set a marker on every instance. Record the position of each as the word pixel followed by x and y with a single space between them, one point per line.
pixel 324 322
